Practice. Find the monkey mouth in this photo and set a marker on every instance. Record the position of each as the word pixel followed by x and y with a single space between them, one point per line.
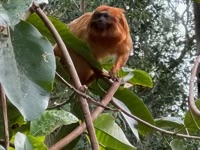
pixel 100 25
pixel 101 21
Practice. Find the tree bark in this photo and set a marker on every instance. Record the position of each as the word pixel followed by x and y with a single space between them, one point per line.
pixel 196 7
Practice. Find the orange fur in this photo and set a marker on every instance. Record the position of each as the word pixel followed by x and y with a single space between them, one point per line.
pixel 107 33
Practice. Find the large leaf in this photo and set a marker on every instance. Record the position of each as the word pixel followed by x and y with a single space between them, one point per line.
pixel 177 145
pixel 15 9
pixel 4 18
pixel 23 142
pixel 61 132
pixel 50 120
pixel 137 107
pixel 130 121
pixel 197 1
pixel 27 70
pixel 2 148
pixel 172 122
pixel 191 121
pixel 69 39
pixel 133 102
pixel 110 135
pixel 15 120
pixel 140 77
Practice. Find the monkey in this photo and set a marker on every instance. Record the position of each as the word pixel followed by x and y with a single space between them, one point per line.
pixel 107 33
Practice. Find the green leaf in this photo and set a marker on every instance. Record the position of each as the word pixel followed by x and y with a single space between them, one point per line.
pixel 110 135
pixel 15 9
pixel 140 77
pixel 130 121
pixel 177 145
pixel 191 121
pixel 137 107
pixel 72 41
pixel 133 102
pixel 23 142
pixel 27 70
pixel 61 132
pixel 50 120
pixel 196 1
pixel 37 143
pixel 172 122
pixel 15 120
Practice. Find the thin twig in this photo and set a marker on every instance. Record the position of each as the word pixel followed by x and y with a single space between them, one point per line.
pixel 80 129
pixel 61 104
pixel 5 117
pixel 82 5
pixel 88 98
pixel 191 101
pixel 73 74
pixel 58 105
pixel 10 143
pixel 154 127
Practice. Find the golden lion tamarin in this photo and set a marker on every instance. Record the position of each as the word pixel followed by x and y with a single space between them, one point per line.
pixel 107 32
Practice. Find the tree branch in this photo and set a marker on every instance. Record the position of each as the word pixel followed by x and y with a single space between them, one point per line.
pixel 154 127
pixel 88 98
pixel 188 40
pixel 98 110
pixel 80 129
pixel 82 5
pixel 196 8
pixel 5 117
pixel 73 73
pixel 10 143
pixel 191 101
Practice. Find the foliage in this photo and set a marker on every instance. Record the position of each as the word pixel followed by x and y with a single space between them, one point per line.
pixel 27 75
pixel 163 46
pixel 28 142
pixel 107 135
pixel 27 72
pixel 67 36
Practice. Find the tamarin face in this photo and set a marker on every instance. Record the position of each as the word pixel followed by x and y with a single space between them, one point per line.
pixel 101 21
pixel 107 22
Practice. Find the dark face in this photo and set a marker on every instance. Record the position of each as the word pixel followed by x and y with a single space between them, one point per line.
pixel 101 20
